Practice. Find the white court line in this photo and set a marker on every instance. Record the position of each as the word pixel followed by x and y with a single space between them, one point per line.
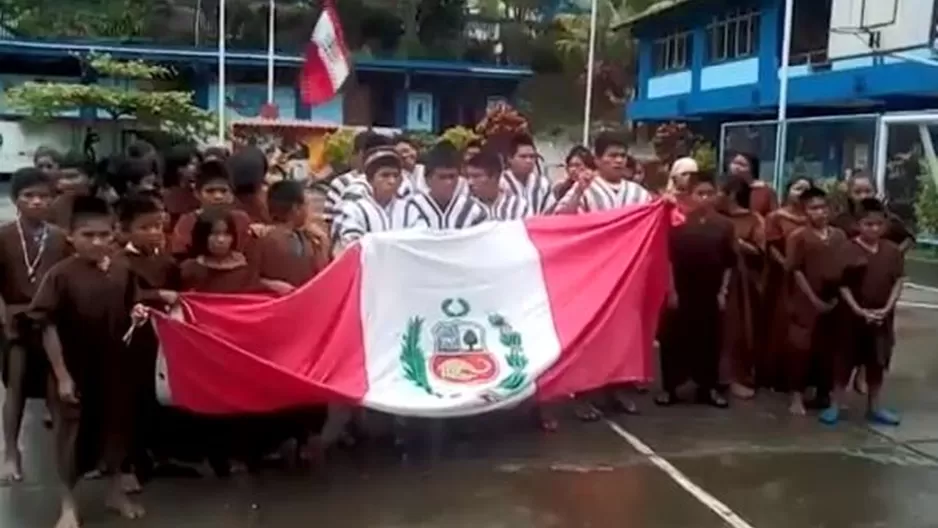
pixel 921 287
pixel 910 304
pixel 722 510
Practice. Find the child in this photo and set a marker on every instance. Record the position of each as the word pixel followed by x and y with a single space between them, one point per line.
pixel 484 172
pixel 811 253
pixel 213 189
pixel 442 207
pixel 84 308
pixel 524 179
pixel 364 144
pixel 216 265
pixel 248 168
pixel 702 257
pixel 379 209
pixel 291 253
pixel 29 247
pixel 182 164
pixel 872 283
pixel 135 175
pixel 73 181
pixel 412 172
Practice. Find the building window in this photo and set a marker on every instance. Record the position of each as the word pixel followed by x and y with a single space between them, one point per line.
pixel 672 52
pixel 734 36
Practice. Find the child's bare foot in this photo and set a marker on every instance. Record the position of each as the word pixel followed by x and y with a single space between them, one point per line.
pixel 796 407
pixel 742 392
pixel 11 471
pixel 119 502
pixel 68 519
pixel 130 484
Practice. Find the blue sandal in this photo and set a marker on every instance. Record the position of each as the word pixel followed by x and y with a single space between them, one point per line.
pixel 883 417
pixel 830 416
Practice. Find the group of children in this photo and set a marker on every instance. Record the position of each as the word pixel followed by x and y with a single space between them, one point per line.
pixel 86 258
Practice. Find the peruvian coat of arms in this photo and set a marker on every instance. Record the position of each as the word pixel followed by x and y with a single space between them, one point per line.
pixel 462 354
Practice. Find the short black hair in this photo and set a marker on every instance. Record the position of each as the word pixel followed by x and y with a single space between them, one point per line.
pixel 379 158
pixel 212 171
pixel 86 208
pixel 368 140
pixel 217 152
pixel 131 171
pixel 319 187
pixel 870 206
pixel 579 151
pixel 140 149
pixel 518 141
pixel 47 152
pixel 607 139
pixel 134 206
pixel 700 178
pixel 176 158
pixel 740 190
pixel 488 161
pixel 443 156
pixel 202 229
pixel 75 161
pixel 28 177
pixel 283 196
pixel 813 192
pixel 247 168
pixel 404 138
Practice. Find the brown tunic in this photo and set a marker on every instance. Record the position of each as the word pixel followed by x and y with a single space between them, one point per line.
pixel 289 256
pixel 181 241
pixel 60 210
pixel 90 309
pixel 178 201
pixel 701 250
pixel 254 207
pixel 763 199
pixel 743 301
pixel 196 276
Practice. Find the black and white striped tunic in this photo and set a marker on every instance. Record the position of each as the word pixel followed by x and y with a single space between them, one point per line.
pixel 507 207
pixel 364 215
pixel 463 211
pixel 602 195
pixel 338 188
pixel 537 191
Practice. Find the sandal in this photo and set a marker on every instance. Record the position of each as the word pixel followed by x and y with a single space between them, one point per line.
pixel 587 413
pixel 624 404
pixel 666 399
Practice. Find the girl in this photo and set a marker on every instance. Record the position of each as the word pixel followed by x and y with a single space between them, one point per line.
pixel 217 266
pixel 579 159
pixel 778 225
pixel 746 168
pixel 742 309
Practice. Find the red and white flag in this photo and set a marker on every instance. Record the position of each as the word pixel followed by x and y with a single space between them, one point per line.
pixel 422 323
pixel 327 64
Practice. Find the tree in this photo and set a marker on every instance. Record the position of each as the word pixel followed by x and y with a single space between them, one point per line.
pixel 77 18
pixel 170 111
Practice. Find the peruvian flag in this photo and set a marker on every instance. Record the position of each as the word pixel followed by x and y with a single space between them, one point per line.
pixel 436 324
pixel 327 63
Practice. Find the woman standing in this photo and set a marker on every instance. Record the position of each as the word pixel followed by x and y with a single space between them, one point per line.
pixel 745 167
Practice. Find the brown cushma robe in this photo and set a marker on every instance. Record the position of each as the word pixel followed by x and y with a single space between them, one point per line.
pixel 763 199
pixel 181 241
pixel 90 308
pixel 17 291
pixel 701 249
pixel 254 207
pixel 770 364
pixel 290 256
pixel 743 303
pixel 179 201
pixel 812 336
pixel 60 210
pixel 870 278
pixel 194 275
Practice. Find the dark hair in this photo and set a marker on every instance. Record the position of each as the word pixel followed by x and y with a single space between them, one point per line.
pixel 608 139
pixel 283 196
pixel 177 158
pixel 204 223
pixel 870 206
pixel 488 161
pixel 518 141
pixel 701 177
pixel 740 191
pixel 813 192
pixel 247 168
pixel 217 152
pixel 134 206
pixel 140 149
pixel 131 171
pixel 86 208
pixel 320 187
pixel 404 138
pixel 368 140
pixel 47 152
pixel 443 156
pixel 380 157
pixel 74 160
pixel 579 151
pixel 211 171
pixel 752 159
pixel 28 177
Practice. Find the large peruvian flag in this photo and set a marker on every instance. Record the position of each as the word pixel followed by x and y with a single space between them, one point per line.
pixel 422 323
pixel 326 65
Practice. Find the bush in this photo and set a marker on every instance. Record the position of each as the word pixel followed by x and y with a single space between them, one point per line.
pixel 926 201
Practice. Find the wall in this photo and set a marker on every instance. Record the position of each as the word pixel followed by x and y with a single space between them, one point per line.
pixel 244 101
pixel 912 26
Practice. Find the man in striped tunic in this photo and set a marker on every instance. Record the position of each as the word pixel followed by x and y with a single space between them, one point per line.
pixel 343 185
pixel 484 172
pixel 523 179
pixel 442 207
pixel 378 209
pixel 612 188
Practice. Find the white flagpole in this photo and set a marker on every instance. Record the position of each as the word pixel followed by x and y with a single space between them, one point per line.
pixel 222 92
pixel 271 37
pixel 781 129
pixel 591 58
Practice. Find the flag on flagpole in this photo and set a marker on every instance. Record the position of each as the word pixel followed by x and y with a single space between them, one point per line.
pixel 327 64
pixel 435 324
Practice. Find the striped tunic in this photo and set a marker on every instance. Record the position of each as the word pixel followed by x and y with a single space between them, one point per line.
pixel 536 191
pixel 360 188
pixel 365 215
pixel 463 211
pixel 604 196
pixel 337 188
pixel 506 207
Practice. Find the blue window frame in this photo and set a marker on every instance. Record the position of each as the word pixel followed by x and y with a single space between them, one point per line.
pixel 672 53
pixel 734 35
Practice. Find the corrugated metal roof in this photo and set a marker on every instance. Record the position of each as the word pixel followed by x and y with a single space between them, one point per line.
pixel 655 9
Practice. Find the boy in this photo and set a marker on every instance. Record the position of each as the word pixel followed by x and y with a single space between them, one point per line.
pixel 441 207
pixel 484 172
pixel 29 247
pixel 365 143
pixel 523 179
pixel 871 284
pixel 47 159
pixel 248 168
pixel 136 175
pixel 379 209
pixel 72 181
pixel 612 189
pixel 291 253
pixel 812 255
pixel 83 307
pixel 703 254
pixel 412 172
pixel 213 189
